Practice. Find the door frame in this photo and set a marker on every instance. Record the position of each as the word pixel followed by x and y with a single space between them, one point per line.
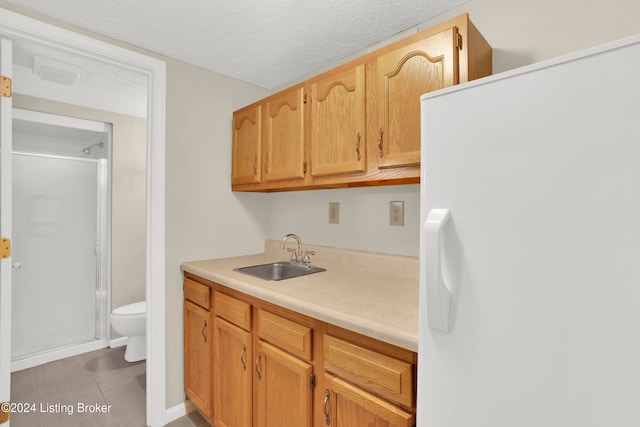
pixel 16 26
pixel 6 132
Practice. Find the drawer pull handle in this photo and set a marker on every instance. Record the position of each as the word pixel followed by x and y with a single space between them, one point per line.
pixel 327 395
pixel 258 366
pixel 242 357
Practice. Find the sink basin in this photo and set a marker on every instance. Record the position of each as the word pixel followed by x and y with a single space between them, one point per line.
pixel 278 270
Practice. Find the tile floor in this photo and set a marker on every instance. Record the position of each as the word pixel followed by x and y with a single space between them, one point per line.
pixel 71 392
pixel 193 419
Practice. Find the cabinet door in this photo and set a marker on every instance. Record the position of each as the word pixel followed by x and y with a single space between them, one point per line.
pixel 284 141
pixel 197 356
pixel 246 145
pixel 284 389
pixel 346 405
pixel 403 76
pixel 338 122
pixel 232 379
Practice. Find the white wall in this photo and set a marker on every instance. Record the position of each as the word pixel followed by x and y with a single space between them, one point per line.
pixel 364 218
pixel 523 32
pixel 204 219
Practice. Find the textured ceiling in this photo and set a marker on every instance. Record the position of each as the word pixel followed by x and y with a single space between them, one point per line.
pixel 267 43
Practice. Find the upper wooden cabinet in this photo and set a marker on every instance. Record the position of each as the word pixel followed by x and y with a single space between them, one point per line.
pixel 285 135
pixel 338 122
pixel 361 124
pixel 403 75
pixel 246 145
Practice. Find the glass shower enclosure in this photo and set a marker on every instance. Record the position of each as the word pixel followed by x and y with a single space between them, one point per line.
pixel 60 294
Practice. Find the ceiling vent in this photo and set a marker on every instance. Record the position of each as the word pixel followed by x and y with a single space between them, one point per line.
pixel 56 71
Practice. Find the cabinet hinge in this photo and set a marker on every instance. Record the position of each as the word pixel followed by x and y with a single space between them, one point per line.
pixel 5 414
pixel 459 41
pixel 304 168
pixel 5 248
pixel 312 380
pixel 304 98
pixel 5 86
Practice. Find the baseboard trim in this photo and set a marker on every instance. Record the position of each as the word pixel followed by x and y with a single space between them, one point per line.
pixel 117 342
pixel 174 413
pixel 56 354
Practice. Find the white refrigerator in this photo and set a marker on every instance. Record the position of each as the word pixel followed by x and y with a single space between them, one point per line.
pixel 530 246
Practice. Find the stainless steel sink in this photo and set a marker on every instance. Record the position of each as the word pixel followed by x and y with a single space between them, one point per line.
pixel 278 270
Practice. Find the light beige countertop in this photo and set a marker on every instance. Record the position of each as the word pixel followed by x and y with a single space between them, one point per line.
pixel 370 293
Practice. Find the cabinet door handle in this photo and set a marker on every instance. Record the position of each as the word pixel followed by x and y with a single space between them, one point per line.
pixel 266 163
pixel 380 142
pixel 358 146
pixel 258 366
pixel 242 359
pixel 204 331
pixel 255 165
pixel 327 395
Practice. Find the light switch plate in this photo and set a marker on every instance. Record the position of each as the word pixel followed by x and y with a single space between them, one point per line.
pixel 334 213
pixel 396 213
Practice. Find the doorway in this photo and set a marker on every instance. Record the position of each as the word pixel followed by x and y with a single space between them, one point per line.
pixel 16 26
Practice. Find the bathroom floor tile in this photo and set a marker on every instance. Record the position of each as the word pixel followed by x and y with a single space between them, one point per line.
pixel 72 392
pixel 78 390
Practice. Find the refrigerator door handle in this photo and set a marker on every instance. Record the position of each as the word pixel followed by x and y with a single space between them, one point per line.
pixel 438 295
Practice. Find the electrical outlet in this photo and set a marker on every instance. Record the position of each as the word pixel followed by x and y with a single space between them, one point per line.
pixel 396 213
pixel 334 213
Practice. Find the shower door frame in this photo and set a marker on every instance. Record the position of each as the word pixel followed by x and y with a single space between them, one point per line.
pixel 103 324
pixel 102 280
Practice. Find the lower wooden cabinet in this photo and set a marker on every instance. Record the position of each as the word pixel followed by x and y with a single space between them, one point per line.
pixel 232 385
pixel 284 388
pixel 346 405
pixel 249 363
pixel 198 357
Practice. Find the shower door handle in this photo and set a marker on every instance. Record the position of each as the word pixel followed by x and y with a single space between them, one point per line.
pixel 16 265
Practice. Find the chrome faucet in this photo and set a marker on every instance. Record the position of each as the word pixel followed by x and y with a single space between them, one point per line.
pixel 297 257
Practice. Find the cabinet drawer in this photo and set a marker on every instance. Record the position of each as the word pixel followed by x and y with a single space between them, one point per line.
pixel 197 293
pixel 286 334
pixel 235 311
pixel 385 376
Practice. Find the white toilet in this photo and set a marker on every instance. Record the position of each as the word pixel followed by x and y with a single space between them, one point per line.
pixel 131 321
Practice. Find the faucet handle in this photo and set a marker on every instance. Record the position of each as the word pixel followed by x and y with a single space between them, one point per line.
pixel 294 254
pixel 306 258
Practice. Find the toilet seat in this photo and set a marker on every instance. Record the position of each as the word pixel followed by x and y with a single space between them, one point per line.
pixel 130 322
pixel 131 309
